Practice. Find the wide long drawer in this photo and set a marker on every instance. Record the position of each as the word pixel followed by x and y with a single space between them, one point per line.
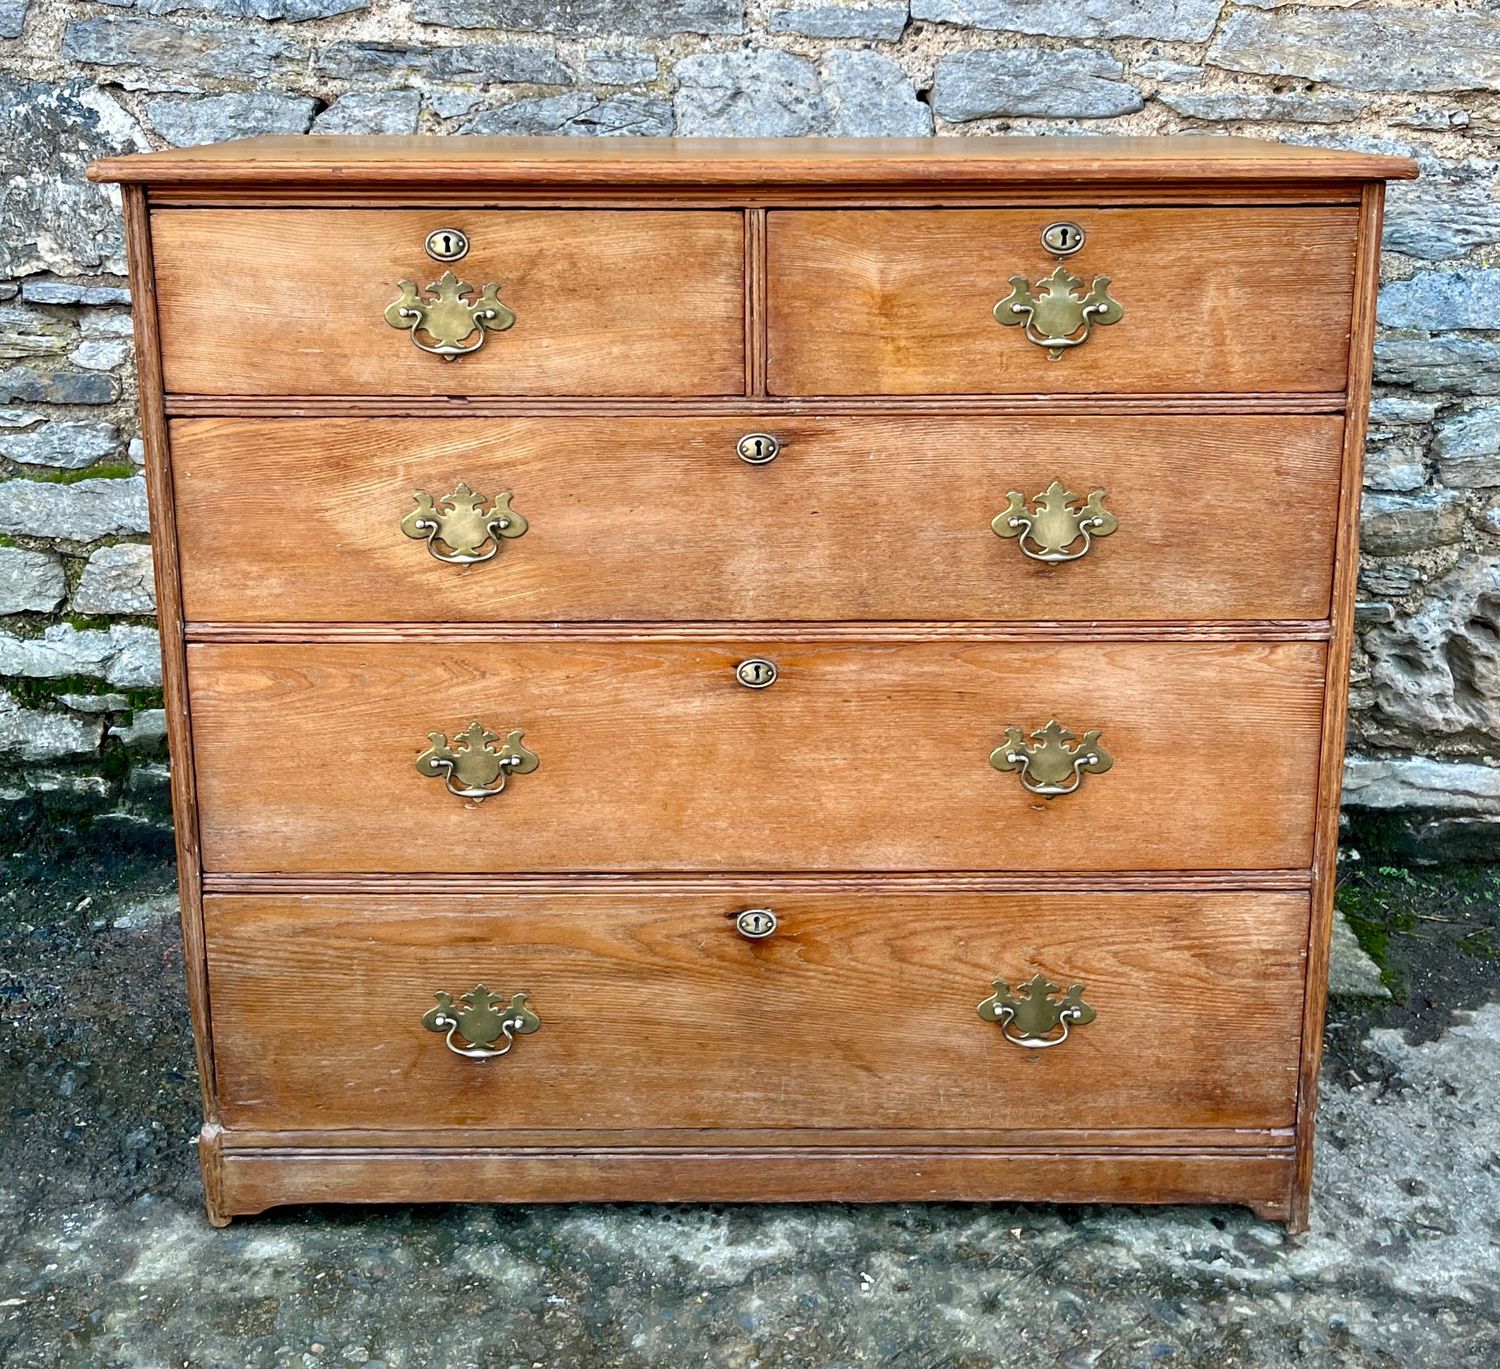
pixel 652 756
pixel 300 301
pixel 1201 299
pixel 660 519
pixel 862 1010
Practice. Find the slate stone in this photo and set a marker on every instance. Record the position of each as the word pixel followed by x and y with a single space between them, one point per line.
pixel 146 731
pixel 1184 20
pixel 481 63
pixel 1077 83
pixel 577 114
pixel 28 734
pixel 13 17
pixel 30 581
pixel 1395 466
pixel 1389 409
pixel 1438 301
pixel 1375 48
pixel 100 354
pixel 95 703
pixel 884 23
pixel 1448 361
pixel 72 292
pixel 1394 524
pixel 620 67
pixel 57 387
pixel 1469 434
pixel 1229 106
pixel 51 217
pixel 68 444
pixel 748 93
pixel 117 579
pixel 293 11
pixel 123 655
pixel 82 512
pixel 868 95
pixel 1436 672
pixel 586 17
pixel 1351 972
pixel 1164 69
pixel 1421 782
pixel 1451 209
pixel 177 49
pixel 30 334
pixel 218 118
pixel 371 111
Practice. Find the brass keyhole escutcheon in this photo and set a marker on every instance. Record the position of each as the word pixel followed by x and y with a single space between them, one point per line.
pixel 756 673
pixel 447 244
pixel 756 924
pixel 756 449
pixel 1062 239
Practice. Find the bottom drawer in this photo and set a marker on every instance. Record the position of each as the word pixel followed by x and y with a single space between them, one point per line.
pixel 861 1011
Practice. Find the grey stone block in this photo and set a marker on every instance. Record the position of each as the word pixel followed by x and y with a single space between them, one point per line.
pixel 36 735
pixel 620 66
pixel 28 334
pixel 480 63
pixel 1376 48
pixel 586 17
pixel 293 11
pixel 1452 208
pixel 1394 524
pixel 146 730
pixel 748 93
pixel 1228 106
pixel 1351 972
pixel 117 579
pixel 869 95
pixel 1467 447
pixel 51 217
pixel 72 292
pixel 30 581
pixel 1074 83
pixel 577 113
pixel 1436 672
pixel 1442 361
pixel 1188 20
pixel 13 17
pixel 124 656
pixel 371 111
pixel 1421 782
pixel 177 50
pixel 1439 301
pixel 82 512
pixel 882 22
pixel 218 118
pixel 57 387
pixel 1395 466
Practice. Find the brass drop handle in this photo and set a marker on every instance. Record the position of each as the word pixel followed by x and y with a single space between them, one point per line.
pixel 479 769
pixel 1054 531
pixel 452 323
pixel 472 1023
pixel 1047 764
pixel 1031 1015
pixel 1051 312
pixel 457 527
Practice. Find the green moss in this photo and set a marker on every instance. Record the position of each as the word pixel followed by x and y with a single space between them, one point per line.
pixel 7 541
pixel 1372 922
pixel 119 472
pixel 86 623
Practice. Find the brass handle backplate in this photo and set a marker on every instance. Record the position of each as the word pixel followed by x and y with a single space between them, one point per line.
pixel 1053 531
pixel 1053 314
pixel 1048 765
pixel 472 1023
pixel 1032 1015
pixel 479 769
pixel 467 532
pixel 454 324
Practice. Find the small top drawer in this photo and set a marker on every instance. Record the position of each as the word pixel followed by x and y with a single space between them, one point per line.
pixel 1207 300
pixel 607 302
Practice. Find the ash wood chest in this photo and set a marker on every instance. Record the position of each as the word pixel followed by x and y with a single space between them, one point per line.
pixel 740 671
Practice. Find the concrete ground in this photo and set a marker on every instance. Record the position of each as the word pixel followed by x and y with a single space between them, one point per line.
pixel 105 1258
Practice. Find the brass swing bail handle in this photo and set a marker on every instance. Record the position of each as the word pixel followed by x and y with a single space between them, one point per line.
pixel 1053 527
pixel 1047 763
pixel 450 323
pixel 473 767
pixel 1033 1016
pixel 458 529
pixel 1056 312
pixel 475 1021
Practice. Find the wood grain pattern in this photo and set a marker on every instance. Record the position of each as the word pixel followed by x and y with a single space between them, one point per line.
pixel 686 163
pixel 856 519
pixel 253 1182
pixel 654 758
pixel 648 303
pixel 856 1013
pixel 900 301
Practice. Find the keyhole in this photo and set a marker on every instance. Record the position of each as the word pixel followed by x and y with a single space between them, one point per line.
pixel 756 673
pixel 1062 239
pixel 757 448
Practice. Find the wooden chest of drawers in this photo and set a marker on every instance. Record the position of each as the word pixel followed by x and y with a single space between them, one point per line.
pixel 755 671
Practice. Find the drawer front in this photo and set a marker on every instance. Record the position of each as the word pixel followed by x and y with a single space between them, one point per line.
pixel 1214 300
pixel 653 757
pixel 605 302
pixel 658 519
pixel 860 1011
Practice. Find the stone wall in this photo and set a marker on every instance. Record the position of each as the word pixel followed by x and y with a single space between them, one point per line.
pixel 80 720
